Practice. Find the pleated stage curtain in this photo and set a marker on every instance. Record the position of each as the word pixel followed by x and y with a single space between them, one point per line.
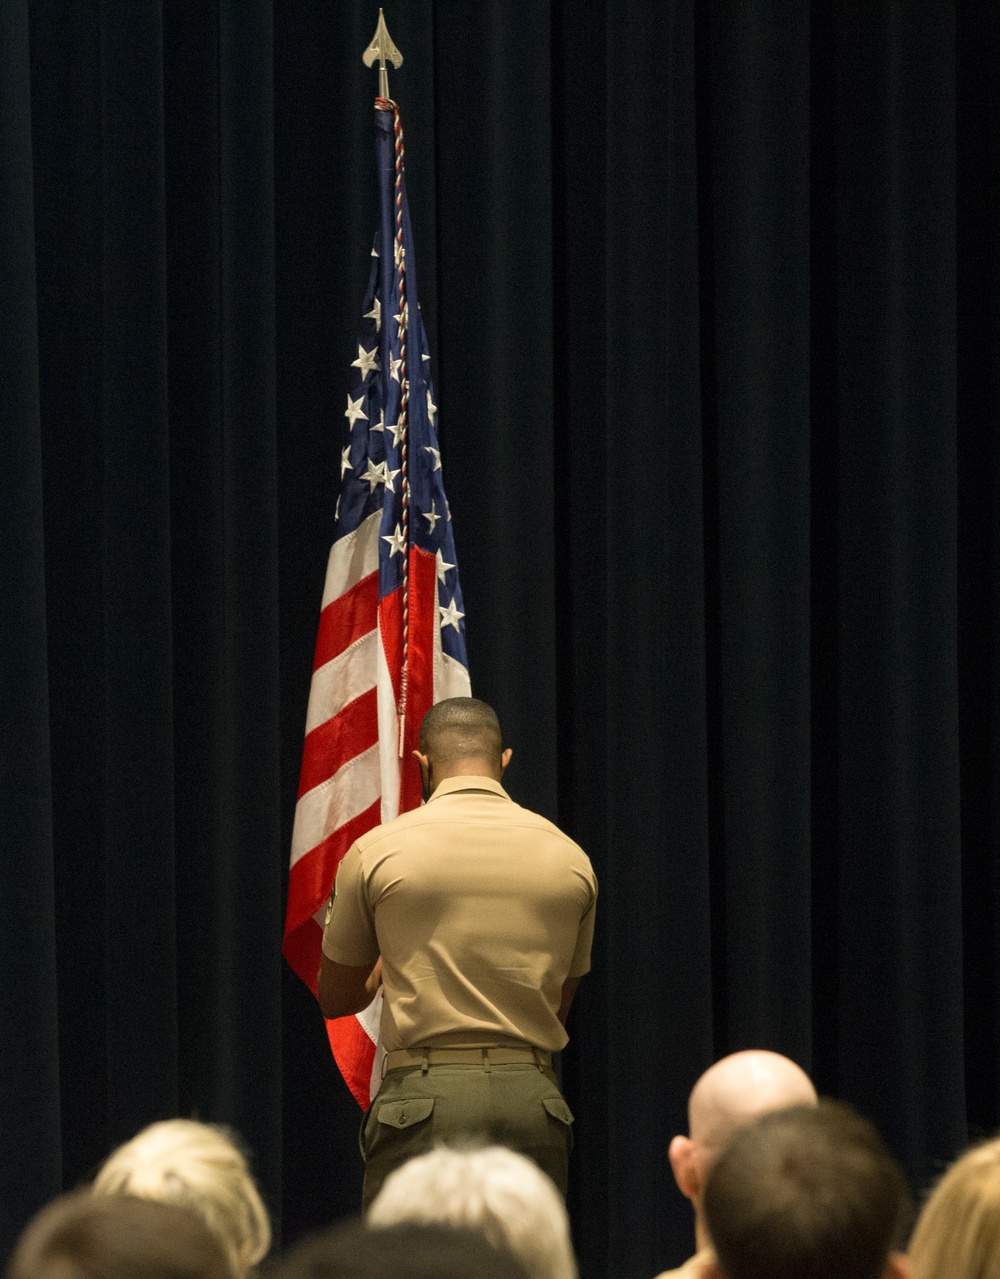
pixel 711 295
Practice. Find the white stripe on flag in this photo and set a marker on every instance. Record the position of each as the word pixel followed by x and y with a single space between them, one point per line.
pixel 353 788
pixel 451 678
pixel 388 737
pixel 339 682
pixel 352 558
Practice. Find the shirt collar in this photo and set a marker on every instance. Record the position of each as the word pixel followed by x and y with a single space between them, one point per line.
pixel 452 784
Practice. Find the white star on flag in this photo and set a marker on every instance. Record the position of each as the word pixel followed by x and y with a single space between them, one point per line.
pixel 397 433
pixel 443 566
pixel 397 543
pixel 451 616
pixel 345 460
pixel 380 424
pixel 374 475
pixel 388 476
pixel 429 448
pixel 432 408
pixel 376 314
pixel 354 411
pixel 394 368
pixel 366 361
pixel 432 518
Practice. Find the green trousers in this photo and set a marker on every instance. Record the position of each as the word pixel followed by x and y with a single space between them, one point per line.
pixel 517 1105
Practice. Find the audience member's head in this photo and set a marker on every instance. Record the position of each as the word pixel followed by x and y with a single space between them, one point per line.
pixel 87 1236
pixel 491 1190
pixel 807 1193
pixel 197 1166
pixel 958 1234
pixel 353 1251
pixel 728 1096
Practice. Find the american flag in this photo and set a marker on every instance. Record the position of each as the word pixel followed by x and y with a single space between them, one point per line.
pixel 391 634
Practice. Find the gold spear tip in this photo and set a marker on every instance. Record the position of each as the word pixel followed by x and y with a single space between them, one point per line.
pixel 382 47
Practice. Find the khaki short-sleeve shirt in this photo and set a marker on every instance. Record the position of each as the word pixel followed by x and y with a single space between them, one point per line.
pixel 480 910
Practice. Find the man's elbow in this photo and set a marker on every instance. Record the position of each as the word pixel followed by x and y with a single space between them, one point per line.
pixel 333 1003
pixel 341 991
pixel 331 1007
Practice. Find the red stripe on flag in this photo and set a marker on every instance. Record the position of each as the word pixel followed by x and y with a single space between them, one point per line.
pixel 346 619
pixel 310 881
pixel 390 627
pixel 354 1053
pixel 303 947
pixel 332 743
pixel 420 692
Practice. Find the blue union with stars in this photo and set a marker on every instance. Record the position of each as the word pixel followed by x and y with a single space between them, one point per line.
pixel 372 453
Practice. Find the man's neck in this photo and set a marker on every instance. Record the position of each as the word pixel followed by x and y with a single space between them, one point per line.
pixel 464 770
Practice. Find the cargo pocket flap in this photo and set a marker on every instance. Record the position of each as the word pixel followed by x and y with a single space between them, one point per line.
pixel 558 1109
pixel 403 1114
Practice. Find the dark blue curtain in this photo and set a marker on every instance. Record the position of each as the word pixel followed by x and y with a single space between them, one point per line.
pixel 711 292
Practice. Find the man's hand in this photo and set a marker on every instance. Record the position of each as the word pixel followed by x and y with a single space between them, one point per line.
pixel 374 980
pixel 344 990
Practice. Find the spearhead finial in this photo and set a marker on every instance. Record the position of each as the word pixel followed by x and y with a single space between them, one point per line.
pixel 383 49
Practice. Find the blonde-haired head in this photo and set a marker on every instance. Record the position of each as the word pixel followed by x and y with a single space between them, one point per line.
pixel 958 1234
pixel 197 1166
pixel 491 1190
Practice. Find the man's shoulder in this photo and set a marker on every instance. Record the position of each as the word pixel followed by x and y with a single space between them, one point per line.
pixel 454 807
pixel 694 1268
pixel 451 808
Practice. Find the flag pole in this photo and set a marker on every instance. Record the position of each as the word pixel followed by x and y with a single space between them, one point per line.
pixel 382 48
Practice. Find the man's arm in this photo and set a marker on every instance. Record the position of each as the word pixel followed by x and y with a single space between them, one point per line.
pixel 568 991
pixel 344 990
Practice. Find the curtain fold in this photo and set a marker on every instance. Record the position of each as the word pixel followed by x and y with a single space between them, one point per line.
pixel 30 1120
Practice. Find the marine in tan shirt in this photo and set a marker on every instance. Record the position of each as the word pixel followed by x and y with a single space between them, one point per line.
pixel 477 916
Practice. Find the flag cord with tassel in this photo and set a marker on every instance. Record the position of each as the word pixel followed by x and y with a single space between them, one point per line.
pixel 386 104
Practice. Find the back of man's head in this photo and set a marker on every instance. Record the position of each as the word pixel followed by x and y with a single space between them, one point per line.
pixel 491 1190
pixel 459 729
pixel 731 1094
pixel 807 1193
pixel 87 1236
pixel 353 1251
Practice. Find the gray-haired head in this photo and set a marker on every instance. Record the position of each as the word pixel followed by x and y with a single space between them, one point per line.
pixel 491 1190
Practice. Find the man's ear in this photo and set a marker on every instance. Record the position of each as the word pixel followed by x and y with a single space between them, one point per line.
pixel 685 1166
pixel 505 760
pixel 898 1267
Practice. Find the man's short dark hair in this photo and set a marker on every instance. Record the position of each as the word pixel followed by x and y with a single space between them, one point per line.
pixel 806 1193
pixel 352 1251
pixel 461 728
pixel 86 1236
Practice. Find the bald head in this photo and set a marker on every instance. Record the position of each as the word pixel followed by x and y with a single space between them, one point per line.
pixel 727 1098
pixel 733 1092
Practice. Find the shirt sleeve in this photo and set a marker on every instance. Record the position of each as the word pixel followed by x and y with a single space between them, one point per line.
pixel 349 937
pixel 584 940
